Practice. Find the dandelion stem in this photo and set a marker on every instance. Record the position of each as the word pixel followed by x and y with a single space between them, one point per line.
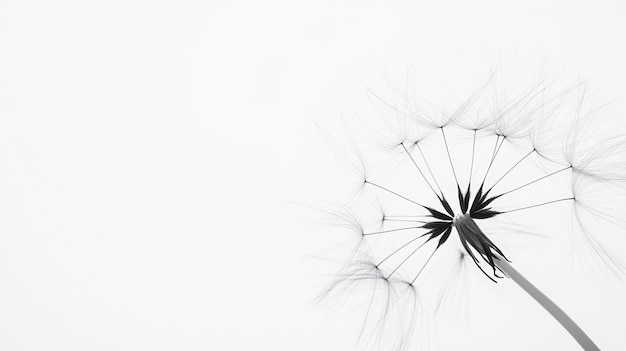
pixel 575 331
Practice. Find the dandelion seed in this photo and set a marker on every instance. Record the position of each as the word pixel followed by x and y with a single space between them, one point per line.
pixel 530 157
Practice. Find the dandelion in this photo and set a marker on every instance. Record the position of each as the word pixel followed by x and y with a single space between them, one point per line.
pixel 447 186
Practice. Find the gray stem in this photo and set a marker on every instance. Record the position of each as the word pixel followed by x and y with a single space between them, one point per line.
pixel 550 306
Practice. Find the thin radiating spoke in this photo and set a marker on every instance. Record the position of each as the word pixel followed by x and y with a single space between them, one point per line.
pixel 398 249
pixel 391 230
pixel 536 180
pixel 449 157
pixel 407 216
pixel 420 171
pixel 396 194
pixel 496 150
pixel 429 170
pixel 472 165
pixel 403 220
pixel 510 169
pixel 537 205
pixel 406 259
pixel 424 266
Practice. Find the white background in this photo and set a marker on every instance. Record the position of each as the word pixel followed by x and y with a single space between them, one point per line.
pixel 152 154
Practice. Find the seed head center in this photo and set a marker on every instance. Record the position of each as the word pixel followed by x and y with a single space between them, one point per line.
pixel 460 218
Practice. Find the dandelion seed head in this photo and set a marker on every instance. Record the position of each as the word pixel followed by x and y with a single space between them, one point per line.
pixel 470 175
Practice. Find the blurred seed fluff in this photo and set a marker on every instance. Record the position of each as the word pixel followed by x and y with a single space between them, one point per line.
pixel 443 194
